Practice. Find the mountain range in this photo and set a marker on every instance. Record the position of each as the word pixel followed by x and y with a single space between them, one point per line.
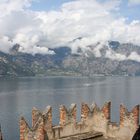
pixel 110 58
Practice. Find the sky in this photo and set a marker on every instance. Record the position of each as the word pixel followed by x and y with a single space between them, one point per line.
pixel 128 8
pixel 47 5
pixel 41 24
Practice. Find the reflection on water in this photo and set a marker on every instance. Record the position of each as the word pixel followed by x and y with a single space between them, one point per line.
pixel 19 96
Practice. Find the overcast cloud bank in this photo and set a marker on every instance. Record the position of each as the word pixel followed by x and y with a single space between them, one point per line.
pixel 36 31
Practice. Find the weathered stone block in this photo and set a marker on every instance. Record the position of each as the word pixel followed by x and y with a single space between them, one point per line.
pixel 85 111
pixel 35 116
pixel 47 115
pixel 107 110
pixel 67 116
pixel 132 117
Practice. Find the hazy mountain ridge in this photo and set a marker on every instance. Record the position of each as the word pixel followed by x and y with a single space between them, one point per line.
pixel 112 58
pixel 9 68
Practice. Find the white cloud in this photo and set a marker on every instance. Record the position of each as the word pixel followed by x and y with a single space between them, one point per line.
pixel 36 49
pixel 5 44
pixel 115 56
pixel 96 50
pixel 134 56
pixel 89 19
pixel 8 6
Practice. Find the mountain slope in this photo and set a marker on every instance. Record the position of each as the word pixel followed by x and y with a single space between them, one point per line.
pixel 112 58
pixel 9 68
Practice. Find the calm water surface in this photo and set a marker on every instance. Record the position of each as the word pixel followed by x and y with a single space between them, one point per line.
pixel 19 96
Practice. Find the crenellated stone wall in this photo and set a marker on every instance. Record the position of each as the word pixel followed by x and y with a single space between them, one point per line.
pixel 67 116
pixel 93 120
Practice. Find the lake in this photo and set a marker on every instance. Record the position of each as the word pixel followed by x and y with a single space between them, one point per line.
pixel 19 96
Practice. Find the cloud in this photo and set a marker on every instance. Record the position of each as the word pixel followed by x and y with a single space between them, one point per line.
pixel 5 44
pixel 8 6
pixel 111 54
pixel 115 56
pixel 90 20
pixel 134 56
pixel 134 2
pixel 36 50
pixel 31 44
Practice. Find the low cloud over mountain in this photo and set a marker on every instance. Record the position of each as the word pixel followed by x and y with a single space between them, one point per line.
pixel 112 58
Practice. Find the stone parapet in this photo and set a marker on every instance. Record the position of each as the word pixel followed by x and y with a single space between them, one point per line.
pixel 93 119
pixel 67 116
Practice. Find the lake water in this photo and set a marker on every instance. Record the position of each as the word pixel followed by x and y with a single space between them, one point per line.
pixel 19 96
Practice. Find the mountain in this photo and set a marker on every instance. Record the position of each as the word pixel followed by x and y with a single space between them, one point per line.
pixel 111 58
pixel 9 68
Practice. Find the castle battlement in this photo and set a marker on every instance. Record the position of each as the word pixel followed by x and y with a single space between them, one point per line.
pixel 94 121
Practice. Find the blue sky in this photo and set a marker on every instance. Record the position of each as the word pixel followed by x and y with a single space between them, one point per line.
pixel 132 12
pixel 47 4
